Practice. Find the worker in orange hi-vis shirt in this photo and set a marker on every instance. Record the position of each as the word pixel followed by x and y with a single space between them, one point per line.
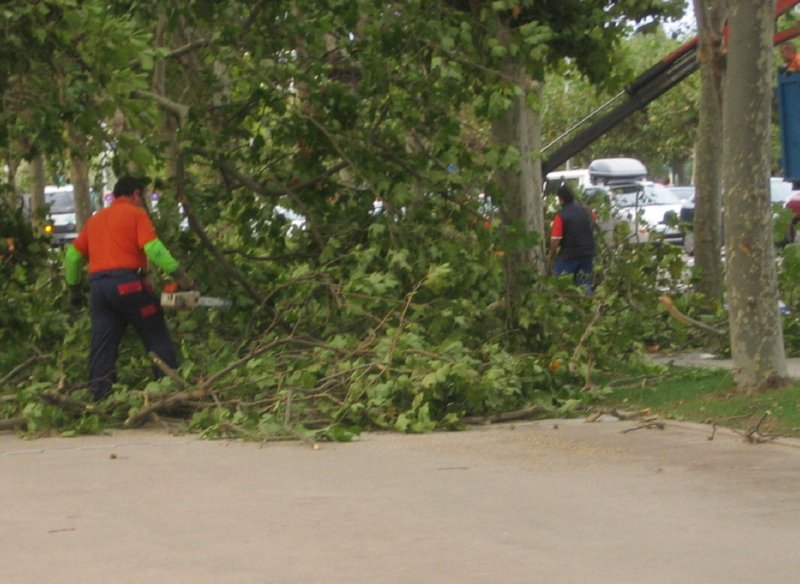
pixel 118 241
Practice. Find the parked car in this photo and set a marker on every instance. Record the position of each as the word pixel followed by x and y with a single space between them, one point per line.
pixel 62 225
pixel 640 212
pixel 779 189
pixel 779 192
pixel 684 193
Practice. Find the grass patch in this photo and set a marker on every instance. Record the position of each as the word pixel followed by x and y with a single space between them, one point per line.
pixel 708 396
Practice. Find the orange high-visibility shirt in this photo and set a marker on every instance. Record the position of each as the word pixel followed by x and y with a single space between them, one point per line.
pixel 113 238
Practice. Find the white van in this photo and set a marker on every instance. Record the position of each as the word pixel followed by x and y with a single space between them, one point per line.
pixel 62 224
pixel 577 179
pixel 601 172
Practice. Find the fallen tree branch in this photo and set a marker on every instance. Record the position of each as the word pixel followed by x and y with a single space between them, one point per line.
pixel 504 417
pixel 239 362
pixel 167 370
pixel 54 397
pixel 198 228
pixel 13 424
pixel 21 367
pixel 163 401
pixel 680 317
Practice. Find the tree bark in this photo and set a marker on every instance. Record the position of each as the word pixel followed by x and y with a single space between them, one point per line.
pixel 38 183
pixel 79 176
pixel 520 129
pixel 756 328
pixel 711 15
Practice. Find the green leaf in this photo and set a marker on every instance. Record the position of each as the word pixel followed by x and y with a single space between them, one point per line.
pixel 438 277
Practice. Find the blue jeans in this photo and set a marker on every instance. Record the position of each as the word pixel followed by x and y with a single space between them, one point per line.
pixel 119 298
pixel 580 268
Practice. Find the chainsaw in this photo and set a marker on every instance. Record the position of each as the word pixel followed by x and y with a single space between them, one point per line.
pixel 172 297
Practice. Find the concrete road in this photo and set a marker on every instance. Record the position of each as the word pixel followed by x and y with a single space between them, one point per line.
pixel 542 502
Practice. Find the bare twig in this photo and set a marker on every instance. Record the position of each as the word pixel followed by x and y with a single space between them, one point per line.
pixel 649 425
pixel 753 434
pixel 188 48
pixel 598 311
pixel 287 414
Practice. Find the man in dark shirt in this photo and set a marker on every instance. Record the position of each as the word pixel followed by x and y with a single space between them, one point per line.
pixel 572 239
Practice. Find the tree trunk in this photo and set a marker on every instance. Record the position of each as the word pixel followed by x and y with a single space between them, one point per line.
pixel 756 328
pixel 708 160
pixel 79 176
pixel 520 129
pixel 169 124
pixel 12 165
pixel 39 181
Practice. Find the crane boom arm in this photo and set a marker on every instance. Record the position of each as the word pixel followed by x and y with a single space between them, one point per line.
pixel 647 87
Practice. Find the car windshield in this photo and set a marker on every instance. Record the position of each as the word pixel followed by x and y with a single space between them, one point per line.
pixel 648 194
pixel 61 202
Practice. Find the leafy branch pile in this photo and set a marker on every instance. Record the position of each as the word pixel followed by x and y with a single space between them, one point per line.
pixel 387 333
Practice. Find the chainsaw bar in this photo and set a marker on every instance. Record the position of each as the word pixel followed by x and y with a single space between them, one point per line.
pixel 212 302
pixel 190 299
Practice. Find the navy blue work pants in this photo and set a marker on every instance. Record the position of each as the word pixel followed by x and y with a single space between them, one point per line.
pixel 580 268
pixel 119 298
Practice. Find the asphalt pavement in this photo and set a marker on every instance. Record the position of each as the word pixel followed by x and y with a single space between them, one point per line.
pixel 556 501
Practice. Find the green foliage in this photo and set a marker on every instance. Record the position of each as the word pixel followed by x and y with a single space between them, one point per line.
pixel 67 67
pixel 387 307
pixel 395 331
pixel 663 133
pixel 789 286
